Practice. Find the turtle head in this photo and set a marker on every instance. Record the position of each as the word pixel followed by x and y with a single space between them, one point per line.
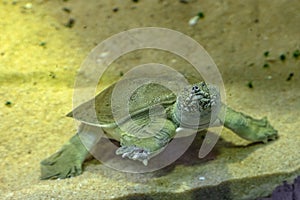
pixel 197 105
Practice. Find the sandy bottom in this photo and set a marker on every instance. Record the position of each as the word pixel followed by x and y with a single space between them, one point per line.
pixel 40 56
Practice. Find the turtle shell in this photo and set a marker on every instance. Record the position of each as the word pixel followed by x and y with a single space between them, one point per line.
pixel 98 111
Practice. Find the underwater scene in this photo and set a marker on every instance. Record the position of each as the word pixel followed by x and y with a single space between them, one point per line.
pixel 150 99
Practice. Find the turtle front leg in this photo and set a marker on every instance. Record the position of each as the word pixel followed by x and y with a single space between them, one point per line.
pixel 67 162
pixel 256 130
pixel 144 148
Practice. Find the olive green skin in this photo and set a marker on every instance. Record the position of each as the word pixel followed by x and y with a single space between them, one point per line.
pixel 138 143
pixel 141 101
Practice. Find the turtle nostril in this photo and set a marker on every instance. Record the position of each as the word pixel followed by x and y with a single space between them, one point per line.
pixel 195 89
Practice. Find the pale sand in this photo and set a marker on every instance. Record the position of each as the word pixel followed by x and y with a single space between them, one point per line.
pixel 34 126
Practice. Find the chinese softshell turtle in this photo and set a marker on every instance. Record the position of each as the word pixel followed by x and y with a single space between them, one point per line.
pixel 140 142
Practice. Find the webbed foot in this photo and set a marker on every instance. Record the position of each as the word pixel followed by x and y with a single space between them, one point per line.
pixel 65 163
pixel 134 153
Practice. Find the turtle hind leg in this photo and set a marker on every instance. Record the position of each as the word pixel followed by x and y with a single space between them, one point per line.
pixel 256 130
pixel 65 163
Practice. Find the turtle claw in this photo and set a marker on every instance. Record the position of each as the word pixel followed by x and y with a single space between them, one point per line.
pixel 145 162
pixel 134 153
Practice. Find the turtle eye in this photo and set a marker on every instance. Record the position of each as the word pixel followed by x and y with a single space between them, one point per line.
pixel 195 89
